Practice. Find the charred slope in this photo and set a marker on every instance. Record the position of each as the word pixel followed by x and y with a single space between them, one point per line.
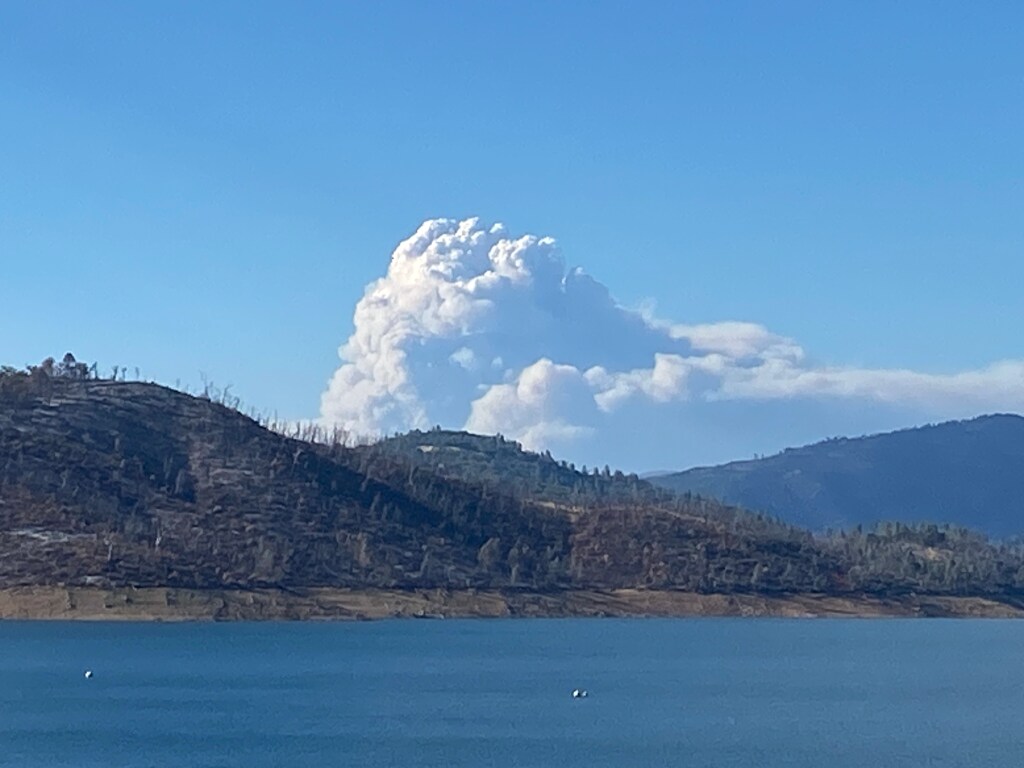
pixel 117 483
pixel 113 482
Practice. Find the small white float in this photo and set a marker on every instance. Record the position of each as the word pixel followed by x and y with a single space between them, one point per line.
pixel 579 693
pixel 88 674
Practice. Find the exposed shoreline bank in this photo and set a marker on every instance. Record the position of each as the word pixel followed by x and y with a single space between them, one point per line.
pixel 168 604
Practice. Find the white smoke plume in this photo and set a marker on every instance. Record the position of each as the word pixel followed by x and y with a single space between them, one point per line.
pixel 471 327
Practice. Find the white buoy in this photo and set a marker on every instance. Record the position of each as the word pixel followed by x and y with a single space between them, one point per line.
pixel 88 674
pixel 579 693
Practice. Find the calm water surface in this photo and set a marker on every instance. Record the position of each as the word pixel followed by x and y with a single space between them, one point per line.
pixel 497 693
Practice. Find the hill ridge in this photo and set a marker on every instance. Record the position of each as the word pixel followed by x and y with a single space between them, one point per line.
pixel 128 486
pixel 963 472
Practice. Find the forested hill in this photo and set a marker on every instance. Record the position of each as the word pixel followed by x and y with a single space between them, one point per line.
pixel 969 473
pixel 112 483
pixel 492 460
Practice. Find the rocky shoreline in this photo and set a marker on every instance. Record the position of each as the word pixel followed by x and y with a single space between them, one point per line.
pixel 167 604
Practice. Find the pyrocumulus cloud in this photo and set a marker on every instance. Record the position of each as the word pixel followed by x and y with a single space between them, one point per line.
pixel 473 327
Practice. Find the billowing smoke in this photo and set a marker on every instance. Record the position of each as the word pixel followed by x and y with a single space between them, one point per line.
pixel 474 328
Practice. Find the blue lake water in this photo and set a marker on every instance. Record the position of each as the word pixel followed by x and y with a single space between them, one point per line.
pixel 693 693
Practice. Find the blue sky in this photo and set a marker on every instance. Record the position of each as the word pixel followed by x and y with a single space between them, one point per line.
pixel 210 188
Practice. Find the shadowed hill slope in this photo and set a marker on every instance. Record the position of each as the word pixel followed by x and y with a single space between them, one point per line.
pixel 969 473
pixel 113 482
pixel 116 484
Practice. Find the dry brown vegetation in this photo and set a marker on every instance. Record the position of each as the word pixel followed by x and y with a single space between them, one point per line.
pixel 111 484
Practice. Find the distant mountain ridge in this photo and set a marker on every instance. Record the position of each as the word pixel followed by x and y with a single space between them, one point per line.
pixel 969 473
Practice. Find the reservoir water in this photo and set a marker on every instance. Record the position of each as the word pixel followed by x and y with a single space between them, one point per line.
pixel 703 692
